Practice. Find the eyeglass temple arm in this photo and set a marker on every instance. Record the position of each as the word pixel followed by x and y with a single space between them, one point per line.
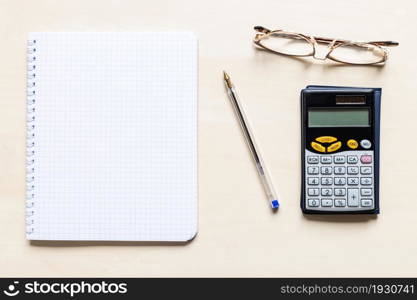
pixel 328 40
pixel 380 43
pixel 386 43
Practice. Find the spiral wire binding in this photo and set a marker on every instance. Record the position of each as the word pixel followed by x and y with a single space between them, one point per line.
pixel 30 140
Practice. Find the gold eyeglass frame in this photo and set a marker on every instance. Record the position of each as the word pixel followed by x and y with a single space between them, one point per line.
pixel 263 33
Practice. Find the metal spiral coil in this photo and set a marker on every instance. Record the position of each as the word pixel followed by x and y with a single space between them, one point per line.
pixel 30 137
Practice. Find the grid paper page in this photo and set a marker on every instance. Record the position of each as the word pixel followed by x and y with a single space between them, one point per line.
pixel 115 146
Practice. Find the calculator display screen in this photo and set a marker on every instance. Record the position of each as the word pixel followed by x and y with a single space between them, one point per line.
pixel 338 117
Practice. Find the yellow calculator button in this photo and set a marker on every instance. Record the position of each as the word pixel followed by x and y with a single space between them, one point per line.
pixel 352 144
pixel 318 147
pixel 333 147
pixel 326 139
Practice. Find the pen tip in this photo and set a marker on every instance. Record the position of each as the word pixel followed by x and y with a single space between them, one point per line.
pixel 227 79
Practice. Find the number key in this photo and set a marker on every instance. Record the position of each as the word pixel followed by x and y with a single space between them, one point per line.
pixel 326 180
pixel 313 192
pixel 339 192
pixel 313 170
pixel 313 202
pixel 339 170
pixel 326 192
pixel 326 170
pixel 313 180
pixel 340 181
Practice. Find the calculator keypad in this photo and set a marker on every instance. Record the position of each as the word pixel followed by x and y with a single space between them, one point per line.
pixel 340 182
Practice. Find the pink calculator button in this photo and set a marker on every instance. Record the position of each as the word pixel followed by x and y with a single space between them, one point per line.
pixel 366 159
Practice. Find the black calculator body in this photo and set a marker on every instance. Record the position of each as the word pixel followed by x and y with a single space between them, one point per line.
pixel 340 150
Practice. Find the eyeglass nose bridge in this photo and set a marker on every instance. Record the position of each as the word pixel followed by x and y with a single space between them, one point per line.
pixel 322 53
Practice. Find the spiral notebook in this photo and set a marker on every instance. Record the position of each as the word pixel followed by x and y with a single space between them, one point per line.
pixel 112 136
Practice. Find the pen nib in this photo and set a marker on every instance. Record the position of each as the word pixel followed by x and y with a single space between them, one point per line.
pixel 227 79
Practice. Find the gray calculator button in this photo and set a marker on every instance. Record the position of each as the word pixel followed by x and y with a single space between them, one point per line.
pixel 326 170
pixel 366 180
pixel 326 202
pixel 366 202
pixel 338 170
pixel 326 192
pixel 313 170
pixel 326 159
pixel 313 192
pixel 339 192
pixel 366 192
pixel 326 180
pixel 313 202
pixel 340 181
pixel 366 144
pixel 366 170
pixel 339 202
pixel 353 197
pixel 313 180
pixel 352 170
pixel 352 159
pixel 338 159
pixel 353 181
pixel 313 159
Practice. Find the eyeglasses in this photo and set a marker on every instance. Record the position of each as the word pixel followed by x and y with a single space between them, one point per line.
pixel 343 51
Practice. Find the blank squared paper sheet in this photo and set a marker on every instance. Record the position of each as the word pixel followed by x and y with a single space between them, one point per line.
pixel 115 147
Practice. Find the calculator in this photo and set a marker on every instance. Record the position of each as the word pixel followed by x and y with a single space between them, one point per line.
pixel 340 150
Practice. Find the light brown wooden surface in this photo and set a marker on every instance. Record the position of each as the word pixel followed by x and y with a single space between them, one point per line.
pixel 238 234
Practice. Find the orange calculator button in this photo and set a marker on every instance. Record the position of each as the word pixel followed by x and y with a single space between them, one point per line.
pixel 352 144
pixel 333 147
pixel 326 139
pixel 318 147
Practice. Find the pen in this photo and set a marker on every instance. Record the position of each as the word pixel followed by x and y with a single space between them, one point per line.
pixel 250 140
